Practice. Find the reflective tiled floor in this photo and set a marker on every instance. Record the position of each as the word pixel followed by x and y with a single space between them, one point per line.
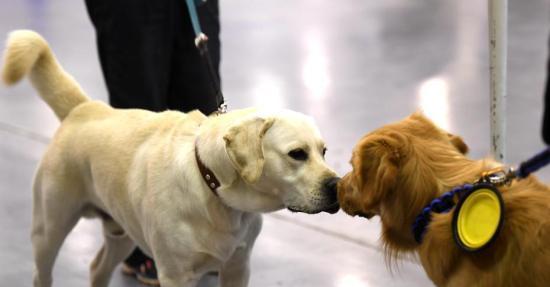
pixel 354 65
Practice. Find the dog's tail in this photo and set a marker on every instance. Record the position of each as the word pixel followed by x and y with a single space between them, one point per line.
pixel 28 53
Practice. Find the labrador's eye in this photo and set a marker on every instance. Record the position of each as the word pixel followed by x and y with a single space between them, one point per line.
pixel 324 151
pixel 298 154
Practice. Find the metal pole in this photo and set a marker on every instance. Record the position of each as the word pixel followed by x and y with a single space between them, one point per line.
pixel 498 29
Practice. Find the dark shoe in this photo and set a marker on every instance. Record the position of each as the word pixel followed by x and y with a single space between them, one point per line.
pixel 146 273
pixel 142 267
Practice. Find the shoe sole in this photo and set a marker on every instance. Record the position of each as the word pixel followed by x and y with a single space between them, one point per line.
pixel 129 271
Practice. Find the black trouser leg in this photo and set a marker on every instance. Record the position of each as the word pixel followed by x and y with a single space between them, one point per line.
pixel 134 39
pixel 136 258
pixel 546 114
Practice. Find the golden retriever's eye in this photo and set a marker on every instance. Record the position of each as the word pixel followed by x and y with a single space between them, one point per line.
pixel 298 154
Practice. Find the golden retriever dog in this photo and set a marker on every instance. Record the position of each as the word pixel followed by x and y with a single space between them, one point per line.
pixel 400 168
pixel 186 188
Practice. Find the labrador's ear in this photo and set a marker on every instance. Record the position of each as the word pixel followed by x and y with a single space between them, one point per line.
pixel 243 144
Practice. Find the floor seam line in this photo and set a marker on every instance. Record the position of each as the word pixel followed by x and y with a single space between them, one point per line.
pixel 25 133
pixel 349 239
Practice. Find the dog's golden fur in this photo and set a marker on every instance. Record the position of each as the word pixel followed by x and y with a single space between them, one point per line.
pixel 399 168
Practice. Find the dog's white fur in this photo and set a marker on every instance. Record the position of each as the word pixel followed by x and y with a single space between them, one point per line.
pixel 136 170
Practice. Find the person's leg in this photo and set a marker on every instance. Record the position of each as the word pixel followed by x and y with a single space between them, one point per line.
pixel 134 44
pixel 209 15
pixel 546 114
pixel 191 84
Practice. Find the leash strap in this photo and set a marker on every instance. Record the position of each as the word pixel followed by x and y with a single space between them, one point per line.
pixel 533 164
pixel 201 41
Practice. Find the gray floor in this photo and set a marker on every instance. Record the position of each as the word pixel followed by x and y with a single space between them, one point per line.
pixel 353 64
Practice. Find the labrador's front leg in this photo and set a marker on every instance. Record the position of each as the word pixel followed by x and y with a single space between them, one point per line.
pixel 177 280
pixel 181 268
pixel 236 271
pixel 176 275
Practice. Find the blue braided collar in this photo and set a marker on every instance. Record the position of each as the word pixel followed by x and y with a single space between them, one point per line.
pixel 495 177
pixel 442 204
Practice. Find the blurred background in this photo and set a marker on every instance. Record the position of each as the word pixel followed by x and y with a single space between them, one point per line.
pixel 353 65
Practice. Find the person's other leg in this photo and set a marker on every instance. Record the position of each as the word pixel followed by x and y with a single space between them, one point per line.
pixel 191 85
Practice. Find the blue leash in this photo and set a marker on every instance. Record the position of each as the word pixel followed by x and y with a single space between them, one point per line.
pixel 446 202
pixel 192 7
pixel 533 164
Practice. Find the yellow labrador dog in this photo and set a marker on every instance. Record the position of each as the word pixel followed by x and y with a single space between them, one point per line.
pixel 186 188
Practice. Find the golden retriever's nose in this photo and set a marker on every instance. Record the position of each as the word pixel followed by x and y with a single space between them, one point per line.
pixel 342 186
pixel 331 191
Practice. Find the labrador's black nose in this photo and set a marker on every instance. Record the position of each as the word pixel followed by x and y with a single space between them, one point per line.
pixel 330 188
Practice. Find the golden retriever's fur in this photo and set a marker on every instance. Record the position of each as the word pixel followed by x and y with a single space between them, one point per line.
pixel 399 168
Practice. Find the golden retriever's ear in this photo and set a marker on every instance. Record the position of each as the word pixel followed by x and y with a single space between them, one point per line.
pixel 243 144
pixel 378 160
pixel 458 143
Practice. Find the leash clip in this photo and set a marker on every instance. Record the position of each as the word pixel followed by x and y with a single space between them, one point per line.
pixel 222 109
pixel 201 41
pixel 498 176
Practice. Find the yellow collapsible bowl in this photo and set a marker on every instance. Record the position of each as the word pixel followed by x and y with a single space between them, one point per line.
pixel 478 217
